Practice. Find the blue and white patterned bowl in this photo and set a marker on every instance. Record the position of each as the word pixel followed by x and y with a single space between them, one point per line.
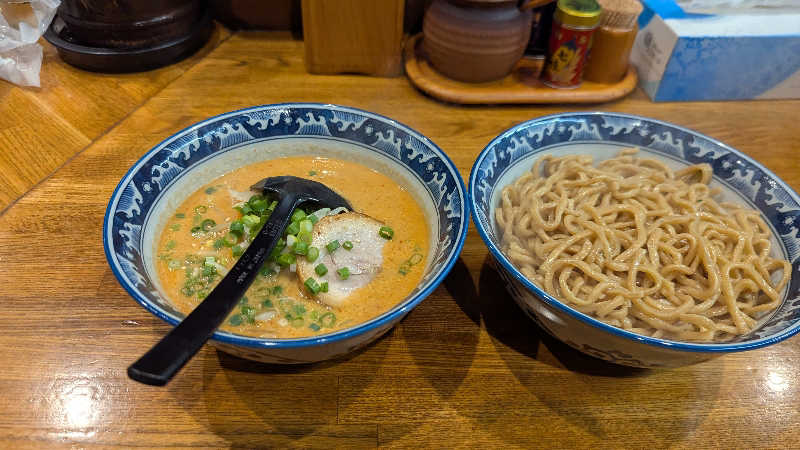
pixel 151 190
pixel 602 135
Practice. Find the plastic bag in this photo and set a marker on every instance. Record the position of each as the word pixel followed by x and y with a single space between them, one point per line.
pixel 22 23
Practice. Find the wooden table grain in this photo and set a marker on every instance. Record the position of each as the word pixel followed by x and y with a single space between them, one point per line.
pixel 464 369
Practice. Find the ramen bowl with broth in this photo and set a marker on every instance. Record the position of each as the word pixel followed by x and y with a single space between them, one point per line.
pixel 183 213
pixel 639 242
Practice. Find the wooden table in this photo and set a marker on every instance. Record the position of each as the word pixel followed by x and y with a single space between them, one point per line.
pixel 464 369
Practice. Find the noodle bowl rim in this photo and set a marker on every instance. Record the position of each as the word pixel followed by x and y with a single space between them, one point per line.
pixel 787 332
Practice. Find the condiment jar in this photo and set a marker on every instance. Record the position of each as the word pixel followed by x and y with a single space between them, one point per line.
pixel 475 40
pixel 574 21
pixel 612 41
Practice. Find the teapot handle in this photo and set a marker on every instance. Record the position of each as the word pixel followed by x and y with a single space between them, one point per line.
pixel 530 4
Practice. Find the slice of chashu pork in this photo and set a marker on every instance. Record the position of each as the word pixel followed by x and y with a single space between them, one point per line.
pixel 364 260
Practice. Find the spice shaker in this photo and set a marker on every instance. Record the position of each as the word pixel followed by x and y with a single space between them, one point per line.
pixel 613 40
pixel 574 21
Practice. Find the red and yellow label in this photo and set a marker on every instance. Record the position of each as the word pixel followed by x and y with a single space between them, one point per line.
pixel 566 56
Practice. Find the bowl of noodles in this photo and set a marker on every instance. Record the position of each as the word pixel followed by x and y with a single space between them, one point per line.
pixel 637 241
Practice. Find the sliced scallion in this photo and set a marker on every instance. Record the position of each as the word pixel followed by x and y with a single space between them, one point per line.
pixel 293 228
pixel 332 246
pixel 237 227
pixel 312 286
pixel 347 245
pixel 344 273
pixel 300 248
pixel 313 254
pixel 235 320
pixel 304 236
pixel 298 215
pixel 321 269
pixel 285 259
pixel 328 319
pixel 208 224
pixel 386 232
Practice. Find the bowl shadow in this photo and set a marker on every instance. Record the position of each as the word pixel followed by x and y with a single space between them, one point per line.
pixel 250 404
pixel 659 407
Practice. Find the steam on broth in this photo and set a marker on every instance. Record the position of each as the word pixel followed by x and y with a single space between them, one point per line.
pixel 213 226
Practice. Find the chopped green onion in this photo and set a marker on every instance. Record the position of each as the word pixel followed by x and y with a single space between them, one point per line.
pixel 202 294
pixel 211 190
pixel 267 303
pixel 291 241
pixel 230 239
pixel 237 227
pixel 180 215
pixel 286 259
pixel 208 224
pixel 278 249
pixel 249 313
pixel 312 286
pixel 311 173
pixel 293 228
pixel 170 245
pixel 272 205
pixel 328 319
pixel 200 209
pixel 306 225
pixel 313 254
pixel 258 205
pixel 300 248
pixel 323 287
pixel 266 271
pixel 174 264
pixel 314 219
pixel 298 215
pixel 235 320
pixel 244 209
pixel 332 246
pixel 304 236
pixel 321 269
pixel 196 230
pixel 386 232
pixel 237 250
pixel 314 327
pixel 416 258
pixel 277 289
pixel 175 226
pixel 344 273
pixel 347 245
pixel 187 291
pixel 218 244
pixel 243 300
pixel 251 220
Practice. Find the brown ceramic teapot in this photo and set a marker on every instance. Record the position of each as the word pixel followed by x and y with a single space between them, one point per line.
pixel 476 40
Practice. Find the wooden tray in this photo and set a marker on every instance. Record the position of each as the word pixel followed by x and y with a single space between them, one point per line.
pixel 518 87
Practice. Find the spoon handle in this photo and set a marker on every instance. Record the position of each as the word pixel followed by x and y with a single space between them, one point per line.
pixel 162 362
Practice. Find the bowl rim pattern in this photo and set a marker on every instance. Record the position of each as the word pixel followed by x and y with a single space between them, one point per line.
pixel 393 314
pixel 505 264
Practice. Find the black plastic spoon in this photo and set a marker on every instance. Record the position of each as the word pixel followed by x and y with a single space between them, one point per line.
pixel 162 362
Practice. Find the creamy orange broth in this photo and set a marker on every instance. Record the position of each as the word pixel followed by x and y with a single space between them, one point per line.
pixel 368 191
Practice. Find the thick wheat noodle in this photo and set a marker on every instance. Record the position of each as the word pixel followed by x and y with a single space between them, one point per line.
pixel 641 247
